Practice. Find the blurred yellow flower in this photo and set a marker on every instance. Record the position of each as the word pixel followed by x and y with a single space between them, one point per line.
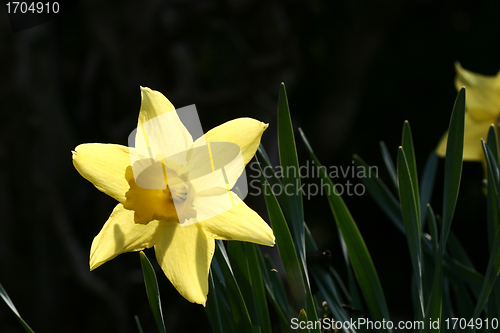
pixel 483 109
pixel 174 193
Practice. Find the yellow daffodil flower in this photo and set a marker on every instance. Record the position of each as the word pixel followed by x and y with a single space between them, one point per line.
pixel 174 193
pixel 483 109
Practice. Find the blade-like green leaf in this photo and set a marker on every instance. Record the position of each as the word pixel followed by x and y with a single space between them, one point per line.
pixel 245 265
pixel 453 164
pixel 493 173
pixel 241 271
pixel 138 323
pixel 434 305
pixel 492 271
pixel 323 279
pixel 152 291
pixel 291 177
pixel 407 144
pixel 238 309
pixel 258 290
pixel 389 164
pixel 433 230
pixel 453 268
pixel 463 300
pixel 411 219
pixel 448 311
pixel 492 141
pixel 293 268
pixel 381 194
pixel 7 300
pixel 212 307
pixel 282 197
pixel 492 202
pixel 427 184
pixel 493 208
pixel 360 257
pixel 493 268
pixel 457 251
pixel 276 291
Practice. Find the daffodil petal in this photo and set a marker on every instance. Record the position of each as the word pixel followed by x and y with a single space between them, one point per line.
pixel 239 223
pixel 120 234
pixel 160 130
pixel 153 104
pixel 245 132
pixel 104 165
pixel 483 93
pixel 473 133
pixel 224 157
pixel 185 254
pixel 210 203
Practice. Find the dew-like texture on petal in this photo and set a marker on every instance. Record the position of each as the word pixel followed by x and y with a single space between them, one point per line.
pixel 245 132
pixel 160 128
pixel 483 93
pixel 474 131
pixel 104 165
pixel 185 254
pixel 120 234
pixel 239 223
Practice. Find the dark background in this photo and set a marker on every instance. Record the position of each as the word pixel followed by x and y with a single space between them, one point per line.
pixel 354 70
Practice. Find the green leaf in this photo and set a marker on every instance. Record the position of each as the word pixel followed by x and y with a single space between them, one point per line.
pixel 492 200
pixel 453 164
pixel 457 251
pixel 492 271
pixel 238 309
pixel 453 268
pixel 381 194
pixel 213 307
pixel 282 197
pixel 326 280
pixel 389 164
pixel 245 265
pixel 293 268
pixel 493 143
pixel 291 178
pixel 434 305
pixel 152 291
pixel 360 257
pixel 427 183
pixel 276 291
pixel 138 323
pixel 433 230
pixel 7 300
pixel 493 268
pixel 411 219
pixel 258 290
pixel 323 278
pixel 448 311
pixel 463 300
pixel 407 144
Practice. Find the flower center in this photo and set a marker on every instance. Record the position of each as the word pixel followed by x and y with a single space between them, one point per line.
pixel 179 192
pixel 159 190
